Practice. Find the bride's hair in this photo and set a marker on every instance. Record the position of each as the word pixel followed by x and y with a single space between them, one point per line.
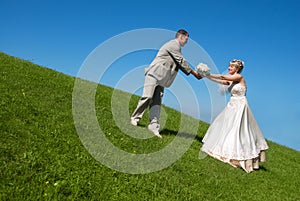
pixel 239 64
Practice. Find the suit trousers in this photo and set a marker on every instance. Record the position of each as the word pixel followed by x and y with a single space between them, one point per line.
pixel 152 98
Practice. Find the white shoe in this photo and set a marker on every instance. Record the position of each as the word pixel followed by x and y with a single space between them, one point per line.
pixel 156 133
pixel 154 130
pixel 134 122
pixel 248 165
pixel 255 163
pixel 262 156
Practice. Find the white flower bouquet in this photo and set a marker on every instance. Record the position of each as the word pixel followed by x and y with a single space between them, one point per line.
pixel 203 69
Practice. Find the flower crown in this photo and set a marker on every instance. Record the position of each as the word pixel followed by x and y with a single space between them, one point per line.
pixel 238 62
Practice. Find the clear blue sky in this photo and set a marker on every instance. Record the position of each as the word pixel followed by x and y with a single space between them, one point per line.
pixel 263 33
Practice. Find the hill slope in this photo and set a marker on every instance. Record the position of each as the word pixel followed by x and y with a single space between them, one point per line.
pixel 42 157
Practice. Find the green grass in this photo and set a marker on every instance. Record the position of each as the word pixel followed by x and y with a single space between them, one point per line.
pixel 43 158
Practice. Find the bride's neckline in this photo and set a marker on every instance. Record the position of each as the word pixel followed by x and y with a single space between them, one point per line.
pixel 233 84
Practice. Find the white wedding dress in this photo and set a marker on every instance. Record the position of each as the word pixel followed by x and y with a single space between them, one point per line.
pixel 234 137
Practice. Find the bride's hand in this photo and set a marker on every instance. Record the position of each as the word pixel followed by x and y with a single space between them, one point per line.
pixel 206 76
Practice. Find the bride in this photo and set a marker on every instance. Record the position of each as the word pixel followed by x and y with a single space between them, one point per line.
pixel 234 137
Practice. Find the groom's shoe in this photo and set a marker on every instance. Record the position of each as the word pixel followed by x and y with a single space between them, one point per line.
pixel 154 128
pixel 134 122
pixel 155 132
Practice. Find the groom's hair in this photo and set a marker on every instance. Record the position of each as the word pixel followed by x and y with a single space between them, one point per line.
pixel 181 32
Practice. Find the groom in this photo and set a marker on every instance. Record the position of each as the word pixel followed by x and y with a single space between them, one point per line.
pixel 161 73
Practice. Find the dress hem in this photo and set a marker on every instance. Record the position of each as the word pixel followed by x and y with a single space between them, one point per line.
pixel 248 165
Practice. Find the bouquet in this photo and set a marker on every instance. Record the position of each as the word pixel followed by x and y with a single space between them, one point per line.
pixel 203 69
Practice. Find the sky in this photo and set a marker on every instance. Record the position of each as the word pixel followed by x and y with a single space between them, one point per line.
pixel 61 35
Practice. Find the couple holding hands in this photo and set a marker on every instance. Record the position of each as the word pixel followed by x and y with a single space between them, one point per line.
pixel 234 137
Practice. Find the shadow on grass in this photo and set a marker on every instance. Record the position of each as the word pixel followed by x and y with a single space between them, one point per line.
pixel 262 168
pixel 172 132
pixel 185 135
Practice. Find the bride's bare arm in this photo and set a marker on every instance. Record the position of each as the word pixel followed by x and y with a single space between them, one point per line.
pixel 231 78
pixel 217 78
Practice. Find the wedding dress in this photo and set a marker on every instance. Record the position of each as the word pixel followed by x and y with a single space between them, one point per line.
pixel 234 137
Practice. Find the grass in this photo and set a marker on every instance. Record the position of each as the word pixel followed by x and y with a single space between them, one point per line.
pixel 43 158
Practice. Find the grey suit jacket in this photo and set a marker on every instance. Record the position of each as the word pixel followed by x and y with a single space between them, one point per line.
pixel 164 67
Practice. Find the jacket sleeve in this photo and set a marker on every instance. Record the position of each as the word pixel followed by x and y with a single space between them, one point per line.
pixel 182 64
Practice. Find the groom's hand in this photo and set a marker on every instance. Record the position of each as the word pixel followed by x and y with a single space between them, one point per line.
pixel 196 74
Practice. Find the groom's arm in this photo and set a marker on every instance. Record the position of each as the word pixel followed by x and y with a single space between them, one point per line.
pixel 196 74
pixel 174 50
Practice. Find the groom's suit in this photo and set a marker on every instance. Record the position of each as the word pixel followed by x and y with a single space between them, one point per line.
pixel 165 65
pixel 161 73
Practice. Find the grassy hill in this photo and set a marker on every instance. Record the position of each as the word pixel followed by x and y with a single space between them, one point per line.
pixel 42 157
